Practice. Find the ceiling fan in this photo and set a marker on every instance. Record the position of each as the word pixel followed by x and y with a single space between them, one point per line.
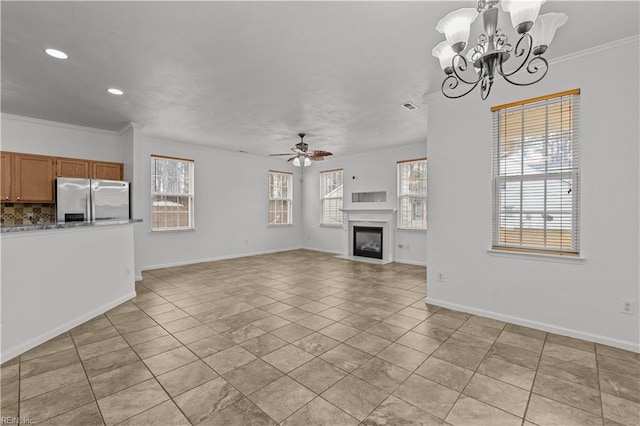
pixel 303 156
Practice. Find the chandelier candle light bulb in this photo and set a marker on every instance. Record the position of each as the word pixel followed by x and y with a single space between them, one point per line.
pixel 479 65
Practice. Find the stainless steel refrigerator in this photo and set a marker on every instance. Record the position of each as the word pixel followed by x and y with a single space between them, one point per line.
pixel 91 199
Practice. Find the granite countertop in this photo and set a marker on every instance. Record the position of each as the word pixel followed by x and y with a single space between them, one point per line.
pixel 63 225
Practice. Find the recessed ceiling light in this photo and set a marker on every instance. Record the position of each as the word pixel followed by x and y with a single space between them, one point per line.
pixel 114 91
pixel 409 106
pixel 58 54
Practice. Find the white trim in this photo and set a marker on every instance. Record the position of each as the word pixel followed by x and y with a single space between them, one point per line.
pixel 365 259
pixel 213 259
pixel 322 250
pixel 576 260
pixel 30 344
pixel 58 124
pixel 411 262
pixel 367 210
pixel 595 49
pixel 622 344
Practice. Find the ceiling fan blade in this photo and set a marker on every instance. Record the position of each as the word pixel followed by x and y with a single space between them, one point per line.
pixel 272 155
pixel 299 151
pixel 320 153
pixel 292 158
pixel 316 158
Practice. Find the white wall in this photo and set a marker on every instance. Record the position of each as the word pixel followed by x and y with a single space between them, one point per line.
pixel 22 134
pixel 374 171
pixel 54 280
pixel 580 298
pixel 231 206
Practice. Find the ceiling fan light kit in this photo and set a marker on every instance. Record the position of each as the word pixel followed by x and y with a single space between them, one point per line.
pixel 303 156
pixel 478 66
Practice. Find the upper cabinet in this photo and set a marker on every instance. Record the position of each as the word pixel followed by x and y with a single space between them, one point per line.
pixel 5 175
pixel 106 170
pixel 32 178
pixel 73 168
pixel 29 178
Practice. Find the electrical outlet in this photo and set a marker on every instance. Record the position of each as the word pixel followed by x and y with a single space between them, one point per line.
pixel 401 246
pixel 127 272
pixel 246 242
pixel 30 216
pixel 440 276
pixel 628 307
pixel 407 246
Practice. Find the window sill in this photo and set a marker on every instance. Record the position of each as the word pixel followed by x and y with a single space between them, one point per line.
pixel 280 225
pixel 326 225
pixel 537 256
pixel 411 229
pixel 164 231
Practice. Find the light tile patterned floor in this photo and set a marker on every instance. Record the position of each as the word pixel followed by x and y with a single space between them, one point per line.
pixel 303 338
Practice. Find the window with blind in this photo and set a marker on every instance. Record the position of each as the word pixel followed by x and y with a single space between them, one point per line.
pixel 412 194
pixel 171 194
pixel 536 180
pixel 280 198
pixel 331 194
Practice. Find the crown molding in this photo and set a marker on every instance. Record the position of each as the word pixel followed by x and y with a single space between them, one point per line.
pixel 58 124
pixel 129 126
pixel 595 49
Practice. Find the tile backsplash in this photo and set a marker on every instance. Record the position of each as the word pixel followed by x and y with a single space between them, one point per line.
pixel 18 214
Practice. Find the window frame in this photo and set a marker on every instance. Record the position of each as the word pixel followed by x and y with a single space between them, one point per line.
pixel 288 198
pixel 572 174
pixel 324 197
pixel 190 195
pixel 413 196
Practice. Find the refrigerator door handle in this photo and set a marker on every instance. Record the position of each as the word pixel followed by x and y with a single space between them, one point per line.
pixel 88 208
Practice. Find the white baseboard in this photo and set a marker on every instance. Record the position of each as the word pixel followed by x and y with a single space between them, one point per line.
pixel 622 344
pixel 213 259
pixel 32 343
pixel 411 262
pixel 322 250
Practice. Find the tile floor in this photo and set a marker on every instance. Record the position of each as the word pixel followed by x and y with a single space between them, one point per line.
pixel 303 338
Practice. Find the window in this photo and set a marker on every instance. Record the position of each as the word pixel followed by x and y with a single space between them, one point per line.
pixel 536 187
pixel 331 195
pixel 171 193
pixel 280 198
pixel 412 194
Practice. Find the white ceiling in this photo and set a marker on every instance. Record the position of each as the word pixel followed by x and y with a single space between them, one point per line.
pixel 251 75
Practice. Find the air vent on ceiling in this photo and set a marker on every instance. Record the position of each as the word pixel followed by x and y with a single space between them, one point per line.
pixel 409 106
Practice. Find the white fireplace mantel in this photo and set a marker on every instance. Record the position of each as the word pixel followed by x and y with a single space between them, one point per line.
pixel 384 218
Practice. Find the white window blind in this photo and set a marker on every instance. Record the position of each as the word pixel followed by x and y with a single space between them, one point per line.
pixel 536 174
pixel 331 193
pixel 171 193
pixel 280 198
pixel 412 194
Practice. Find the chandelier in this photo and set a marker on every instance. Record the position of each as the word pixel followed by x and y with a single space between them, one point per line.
pixel 479 65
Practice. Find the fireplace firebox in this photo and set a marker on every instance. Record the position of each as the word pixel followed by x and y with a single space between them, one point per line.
pixel 367 241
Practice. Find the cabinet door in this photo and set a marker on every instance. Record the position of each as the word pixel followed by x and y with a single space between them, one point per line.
pixel 72 167
pixel 105 170
pixel 32 178
pixel 5 175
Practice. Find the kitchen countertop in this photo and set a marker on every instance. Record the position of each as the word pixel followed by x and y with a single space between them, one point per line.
pixel 63 225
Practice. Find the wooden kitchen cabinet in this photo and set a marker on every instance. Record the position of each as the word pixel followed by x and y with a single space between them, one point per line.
pixel 32 178
pixel 73 168
pixel 5 175
pixel 107 170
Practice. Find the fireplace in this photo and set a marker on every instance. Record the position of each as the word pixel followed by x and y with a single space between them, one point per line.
pixel 367 241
